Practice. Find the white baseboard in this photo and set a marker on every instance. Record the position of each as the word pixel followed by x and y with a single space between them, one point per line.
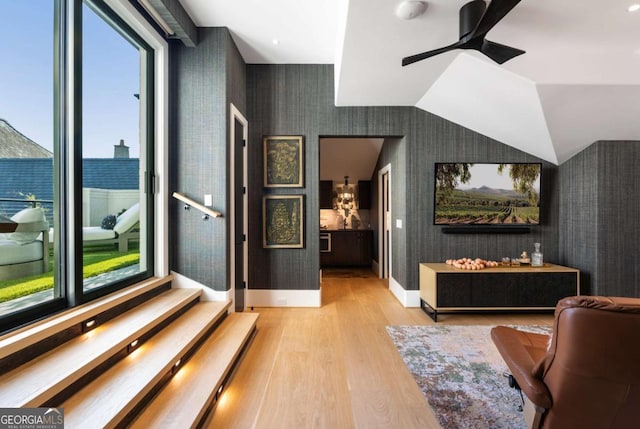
pixel 283 298
pixel 408 298
pixel 208 294
pixel 375 267
pixel 413 299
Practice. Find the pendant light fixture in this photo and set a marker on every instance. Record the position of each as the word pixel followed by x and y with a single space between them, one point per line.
pixel 346 196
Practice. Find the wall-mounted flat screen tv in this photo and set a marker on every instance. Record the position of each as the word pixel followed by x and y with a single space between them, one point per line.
pixel 487 194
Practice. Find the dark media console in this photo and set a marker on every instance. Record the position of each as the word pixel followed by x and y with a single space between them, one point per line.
pixel 444 288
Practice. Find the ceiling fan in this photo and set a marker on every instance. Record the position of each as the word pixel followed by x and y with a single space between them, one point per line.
pixel 476 20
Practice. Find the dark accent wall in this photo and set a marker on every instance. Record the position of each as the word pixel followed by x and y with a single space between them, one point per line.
pixel 236 77
pixel 600 208
pixel 299 99
pixel 203 81
pixel 393 153
pixel 438 140
pixel 592 225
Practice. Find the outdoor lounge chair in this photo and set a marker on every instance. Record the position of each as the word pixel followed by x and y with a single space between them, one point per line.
pixel 25 251
pixel 125 229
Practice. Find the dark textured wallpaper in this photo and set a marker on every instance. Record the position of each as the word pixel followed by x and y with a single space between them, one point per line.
pixel 600 207
pixel 394 154
pixel 298 99
pixel 589 205
pixel 203 81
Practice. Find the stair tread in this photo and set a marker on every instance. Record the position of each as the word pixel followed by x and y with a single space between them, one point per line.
pixel 184 400
pixel 107 400
pixel 37 381
pixel 21 338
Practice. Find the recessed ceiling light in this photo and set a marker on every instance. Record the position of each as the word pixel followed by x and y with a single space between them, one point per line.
pixel 634 7
pixel 275 41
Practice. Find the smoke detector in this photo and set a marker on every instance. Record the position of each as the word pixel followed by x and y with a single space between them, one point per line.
pixel 410 9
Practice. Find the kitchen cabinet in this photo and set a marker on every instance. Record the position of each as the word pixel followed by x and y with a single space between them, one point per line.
pixel 326 194
pixel 364 194
pixel 349 248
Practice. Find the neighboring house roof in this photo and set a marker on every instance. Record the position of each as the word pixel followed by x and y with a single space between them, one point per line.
pixel 14 144
pixel 23 176
pixel 111 173
pixel 35 176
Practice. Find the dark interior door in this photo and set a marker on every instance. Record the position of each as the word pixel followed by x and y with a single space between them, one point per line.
pixel 240 236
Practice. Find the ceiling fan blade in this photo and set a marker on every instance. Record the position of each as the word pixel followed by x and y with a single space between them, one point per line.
pixel 496 10
pixel 419 57
pixel 499 53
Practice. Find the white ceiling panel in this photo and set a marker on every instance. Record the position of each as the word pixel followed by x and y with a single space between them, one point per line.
pixel 306 30
pixel 492 101
pixel 353 157
pixel 578 115
pixel 581 56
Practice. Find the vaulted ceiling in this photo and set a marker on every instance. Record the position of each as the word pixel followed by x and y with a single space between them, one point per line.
pixel 578 82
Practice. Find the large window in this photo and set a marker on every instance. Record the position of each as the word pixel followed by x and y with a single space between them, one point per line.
pixel 28 154
pixel 76 156
pixel 115 73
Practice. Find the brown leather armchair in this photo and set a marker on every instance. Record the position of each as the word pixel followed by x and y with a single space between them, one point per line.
pixel 587 373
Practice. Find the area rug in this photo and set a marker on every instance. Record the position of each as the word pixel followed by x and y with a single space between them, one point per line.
pixel 461 374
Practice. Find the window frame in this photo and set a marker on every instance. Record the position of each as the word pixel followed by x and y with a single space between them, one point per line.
pixel 67 168
pixel 79 295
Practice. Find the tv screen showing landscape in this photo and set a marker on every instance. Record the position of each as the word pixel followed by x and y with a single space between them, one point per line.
pixel 487 194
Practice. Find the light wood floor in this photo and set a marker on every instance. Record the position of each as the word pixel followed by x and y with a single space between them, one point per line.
pixel 335 366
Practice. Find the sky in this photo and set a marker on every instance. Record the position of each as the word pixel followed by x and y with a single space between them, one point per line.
pixel 110 78
pixel 487 175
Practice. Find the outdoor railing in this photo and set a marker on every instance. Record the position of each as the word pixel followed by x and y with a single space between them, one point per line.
pixel 11 206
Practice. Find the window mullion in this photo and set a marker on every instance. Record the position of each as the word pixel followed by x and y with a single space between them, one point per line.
pixel 73 157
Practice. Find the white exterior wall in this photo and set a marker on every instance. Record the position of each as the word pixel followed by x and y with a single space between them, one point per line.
pixel 97 203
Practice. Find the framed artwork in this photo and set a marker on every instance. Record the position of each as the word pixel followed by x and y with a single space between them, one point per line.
pixel 283 161
pixel 282 222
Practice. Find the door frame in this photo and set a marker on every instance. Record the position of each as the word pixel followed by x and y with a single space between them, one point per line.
pixel 233 116
pixel 381 221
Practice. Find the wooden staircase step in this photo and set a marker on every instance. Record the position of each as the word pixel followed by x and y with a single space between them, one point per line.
pixel 39 380
pixel 18 340
pixel 184 401
pixel 111 397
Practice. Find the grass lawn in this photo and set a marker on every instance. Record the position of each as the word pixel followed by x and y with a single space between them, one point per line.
pixel 96 261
